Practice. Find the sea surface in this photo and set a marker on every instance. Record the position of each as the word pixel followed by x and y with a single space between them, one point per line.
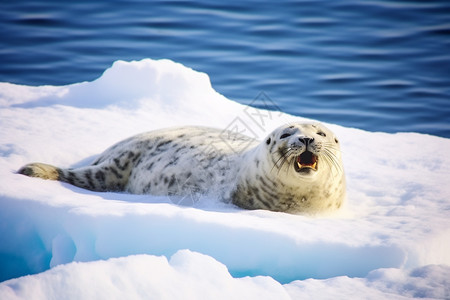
pixel 374 65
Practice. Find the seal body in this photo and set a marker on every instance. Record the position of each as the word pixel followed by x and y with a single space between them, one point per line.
pixel 296 169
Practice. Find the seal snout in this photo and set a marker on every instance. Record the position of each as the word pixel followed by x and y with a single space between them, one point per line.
pixel 306 140
pixel 306 159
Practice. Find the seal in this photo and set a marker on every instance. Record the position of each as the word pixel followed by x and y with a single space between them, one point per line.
pixel 296 169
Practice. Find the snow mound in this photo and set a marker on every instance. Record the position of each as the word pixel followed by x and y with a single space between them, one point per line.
pixel 190 275
pixel 394 225
pixel 186 276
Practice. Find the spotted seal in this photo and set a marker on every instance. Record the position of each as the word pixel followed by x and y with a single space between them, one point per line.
pixel 296 169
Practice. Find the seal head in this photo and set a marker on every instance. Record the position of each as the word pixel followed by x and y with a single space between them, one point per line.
pixel 302 172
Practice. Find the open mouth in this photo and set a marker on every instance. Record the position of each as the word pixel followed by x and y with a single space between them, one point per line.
pixel 306 161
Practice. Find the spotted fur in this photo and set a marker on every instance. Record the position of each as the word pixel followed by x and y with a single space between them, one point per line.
pixel 246 172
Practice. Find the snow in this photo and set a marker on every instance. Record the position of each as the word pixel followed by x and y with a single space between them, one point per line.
pixel 391 240
pixel 190 275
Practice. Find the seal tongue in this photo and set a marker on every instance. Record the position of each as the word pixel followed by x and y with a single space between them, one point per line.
pixel 307 160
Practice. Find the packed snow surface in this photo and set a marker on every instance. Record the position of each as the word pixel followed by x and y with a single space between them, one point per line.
pixel 392 238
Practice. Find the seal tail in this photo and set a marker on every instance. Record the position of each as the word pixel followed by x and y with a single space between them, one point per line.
pixel 100 178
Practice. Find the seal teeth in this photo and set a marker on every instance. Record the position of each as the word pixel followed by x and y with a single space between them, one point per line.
pixel 313 166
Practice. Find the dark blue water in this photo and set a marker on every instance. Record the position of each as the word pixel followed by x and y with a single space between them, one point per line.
pixel 375 65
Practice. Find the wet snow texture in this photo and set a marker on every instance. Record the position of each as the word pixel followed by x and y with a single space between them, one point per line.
pixel 392 237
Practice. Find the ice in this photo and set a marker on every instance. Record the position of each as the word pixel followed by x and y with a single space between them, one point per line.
pixel 392 238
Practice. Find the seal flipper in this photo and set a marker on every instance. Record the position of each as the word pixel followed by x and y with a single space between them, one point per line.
pixel 40 170
pixel 100 178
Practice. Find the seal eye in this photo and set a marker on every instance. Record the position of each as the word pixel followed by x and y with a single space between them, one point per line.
pixel 321 133
pixel 283 136
pixel 268 141
pixel 336 140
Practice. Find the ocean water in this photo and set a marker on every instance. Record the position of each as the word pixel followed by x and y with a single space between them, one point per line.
pixel 374 65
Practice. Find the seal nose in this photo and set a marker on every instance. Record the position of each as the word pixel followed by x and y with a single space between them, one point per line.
pixel 306 140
